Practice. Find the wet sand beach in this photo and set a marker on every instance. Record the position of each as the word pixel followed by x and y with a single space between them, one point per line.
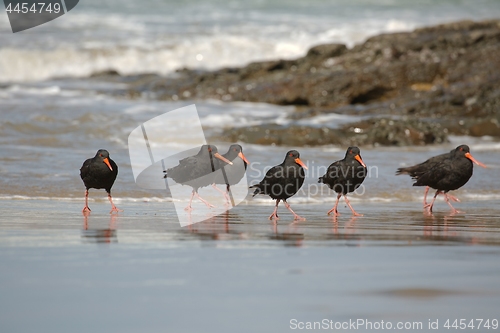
pixel 139 271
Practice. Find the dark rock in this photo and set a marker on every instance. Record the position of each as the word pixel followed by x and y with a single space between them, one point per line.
pixel 109 72
pixel 325 51
pixel 369 132
pixel 489 127
pixel 447 74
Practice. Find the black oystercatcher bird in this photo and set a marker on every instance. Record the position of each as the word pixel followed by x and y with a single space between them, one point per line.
pixel 283 181
pixel 417 170
pixel 447 174
pixel 345 176
pixel 232 174
pixel 99 172
pixel 197 171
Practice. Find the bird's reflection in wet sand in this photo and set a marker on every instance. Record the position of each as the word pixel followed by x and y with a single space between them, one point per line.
pixel 349 226
pixel 208 216
pixel 216 227
pixel 439 227
pixel 100 235
pixel 290 236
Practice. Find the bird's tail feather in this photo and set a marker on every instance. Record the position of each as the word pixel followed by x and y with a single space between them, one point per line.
pixel 257 189
pixel 402 171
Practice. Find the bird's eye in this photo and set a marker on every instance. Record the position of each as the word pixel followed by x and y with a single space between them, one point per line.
pixel 291 155
pixel 100 155
pixel 350 151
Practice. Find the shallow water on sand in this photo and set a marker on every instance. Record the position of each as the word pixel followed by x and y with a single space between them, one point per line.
pixel 140 271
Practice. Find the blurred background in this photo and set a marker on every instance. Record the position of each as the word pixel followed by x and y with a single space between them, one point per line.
pixel 160 36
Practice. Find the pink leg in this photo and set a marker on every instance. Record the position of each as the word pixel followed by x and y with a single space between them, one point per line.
pixel 352 209
pixel 226 196
pixel 188 207
pixel 454 198
pixel 429 206
pixel 453 210
pixel 209 205
pixel 295 216
pixel 334 209
pixel 274 215
pixel 86 209
pixel 231 200
pixel 425 195
pixel 447 198
pixel 113 207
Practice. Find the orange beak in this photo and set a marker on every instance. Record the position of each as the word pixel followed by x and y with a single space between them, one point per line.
pixel 299 162
pixel 107 163
pixel 222 158
pixel 358 158
pixel 240 155
pixel 469 156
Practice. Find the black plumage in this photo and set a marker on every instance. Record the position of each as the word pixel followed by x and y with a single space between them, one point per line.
pixel 231 174
pixel 446 173
pixel 417 170
pixel 283 181
pixel 197 171
pixel 99 172
pixel 345 176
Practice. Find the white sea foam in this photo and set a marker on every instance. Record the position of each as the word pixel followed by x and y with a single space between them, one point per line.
pixel 259 199
pixel 482 196
pixel 53 90
pixel 132 39
pixel 330 120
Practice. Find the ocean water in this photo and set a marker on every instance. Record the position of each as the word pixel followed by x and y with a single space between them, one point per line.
pixel 139 270
pixel 160 36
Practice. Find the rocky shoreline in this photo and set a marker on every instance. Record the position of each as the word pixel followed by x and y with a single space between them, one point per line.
pixel 414 88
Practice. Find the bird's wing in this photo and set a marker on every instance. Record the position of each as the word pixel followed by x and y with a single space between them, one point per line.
pixel 417 170
pixel 185 163
pixel 437 172
pixel 275 172
pixel 84 170
pixel 185 171
pixel 333 172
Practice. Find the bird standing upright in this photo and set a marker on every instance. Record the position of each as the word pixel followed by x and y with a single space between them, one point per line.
pixel 99 172
pixel 447 174
pixel 345 176
pixel 197 171
pixel 283 181
pixel 231 174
